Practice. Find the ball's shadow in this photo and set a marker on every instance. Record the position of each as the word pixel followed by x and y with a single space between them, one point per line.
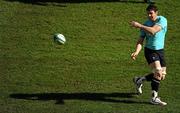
pixel 60 97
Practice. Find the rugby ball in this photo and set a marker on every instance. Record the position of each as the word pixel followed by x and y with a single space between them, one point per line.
pixel 59 38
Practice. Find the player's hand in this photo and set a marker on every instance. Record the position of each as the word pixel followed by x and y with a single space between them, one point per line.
pixel 134 55
pixel 135 24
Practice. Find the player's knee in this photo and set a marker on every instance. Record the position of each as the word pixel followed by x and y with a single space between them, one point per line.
pixel 163 75
pixel 158 73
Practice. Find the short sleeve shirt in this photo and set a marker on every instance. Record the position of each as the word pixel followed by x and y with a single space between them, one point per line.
pixel 156 41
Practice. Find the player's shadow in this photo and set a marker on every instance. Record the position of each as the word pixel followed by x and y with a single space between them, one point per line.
pixel 60 97
pixel 43 2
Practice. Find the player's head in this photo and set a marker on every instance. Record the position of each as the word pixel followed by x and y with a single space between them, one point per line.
pixel 152 7
pixel 152 12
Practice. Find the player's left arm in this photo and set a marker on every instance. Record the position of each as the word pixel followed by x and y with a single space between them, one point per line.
pixel 152 30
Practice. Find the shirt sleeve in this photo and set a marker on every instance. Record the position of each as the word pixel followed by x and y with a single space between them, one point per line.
pixel 142 33
pixel 162 22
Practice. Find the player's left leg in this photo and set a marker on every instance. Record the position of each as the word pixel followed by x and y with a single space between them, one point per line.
pixel 158 70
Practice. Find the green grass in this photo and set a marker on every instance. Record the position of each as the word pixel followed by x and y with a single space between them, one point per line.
pixel 92 72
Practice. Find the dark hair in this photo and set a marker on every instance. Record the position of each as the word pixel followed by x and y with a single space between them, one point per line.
pixel 152 7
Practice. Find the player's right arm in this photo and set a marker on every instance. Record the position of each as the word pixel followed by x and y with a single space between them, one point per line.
pixel 138 48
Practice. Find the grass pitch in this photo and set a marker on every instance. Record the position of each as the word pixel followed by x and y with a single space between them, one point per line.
pixel 92 72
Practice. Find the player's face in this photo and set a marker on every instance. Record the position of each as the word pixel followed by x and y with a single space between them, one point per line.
pixel 152 15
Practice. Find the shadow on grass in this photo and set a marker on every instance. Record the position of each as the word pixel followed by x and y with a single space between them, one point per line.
pixel 43 2
pixel 60 97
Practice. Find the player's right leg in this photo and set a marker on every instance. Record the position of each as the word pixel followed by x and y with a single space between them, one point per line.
pixel 138 83
pixel 163 73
